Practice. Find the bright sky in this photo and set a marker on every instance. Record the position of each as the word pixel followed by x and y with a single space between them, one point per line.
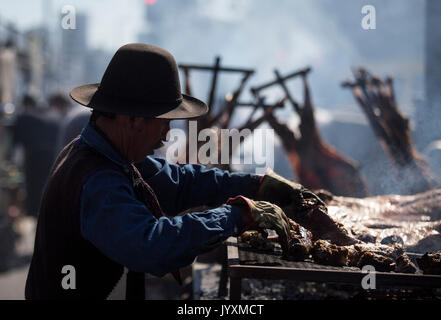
pixel 111 22
pixel 292 34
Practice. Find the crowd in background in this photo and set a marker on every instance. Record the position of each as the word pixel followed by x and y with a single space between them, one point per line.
pixel 38 134
pixel 33 130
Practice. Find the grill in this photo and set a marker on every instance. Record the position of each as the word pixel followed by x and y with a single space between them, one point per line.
pixel 246 262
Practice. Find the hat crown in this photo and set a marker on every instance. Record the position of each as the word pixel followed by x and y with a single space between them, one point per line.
pixel 141 80
pixel 142 72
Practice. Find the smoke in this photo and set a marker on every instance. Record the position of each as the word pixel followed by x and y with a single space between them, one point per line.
pixel 289 35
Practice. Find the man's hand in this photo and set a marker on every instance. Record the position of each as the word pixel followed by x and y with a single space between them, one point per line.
pixel 283 192
pixel 304 207
pixel 264 215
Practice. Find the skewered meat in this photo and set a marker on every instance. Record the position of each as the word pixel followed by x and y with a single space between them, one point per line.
pixel 430 263
pixel 377 99
pixel 315 162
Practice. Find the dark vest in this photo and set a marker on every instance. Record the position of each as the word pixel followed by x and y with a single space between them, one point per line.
pixel 58 241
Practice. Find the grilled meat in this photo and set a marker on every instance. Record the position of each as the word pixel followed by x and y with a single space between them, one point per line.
pixel 314 217
pixel 389 251
pixel 379 262
pixel 404 265
pixel 300 243
pixel 382 257
pixel 430 263
pixel 258 240
pixel 326 253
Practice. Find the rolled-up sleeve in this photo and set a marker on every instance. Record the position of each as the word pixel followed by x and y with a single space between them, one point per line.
pixel 123 229
pixel 182 187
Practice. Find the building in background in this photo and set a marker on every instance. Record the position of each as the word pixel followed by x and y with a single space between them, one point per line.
pixel 428 114
pixel 73 54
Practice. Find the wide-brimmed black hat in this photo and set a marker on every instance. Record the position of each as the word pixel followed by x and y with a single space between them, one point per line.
pixel 140 80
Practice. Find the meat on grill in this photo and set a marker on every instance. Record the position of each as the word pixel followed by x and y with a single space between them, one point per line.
pixel 314 217
pixel 383 258
pixel 379 262
pixel 326 253
pixel 430 263
pixel 375 230
pixel 258 240
pixel 405 265
pixel 300 243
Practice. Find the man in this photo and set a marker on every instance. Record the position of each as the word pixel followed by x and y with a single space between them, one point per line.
pixel 101 213
pixel 72 125
pixel 36 130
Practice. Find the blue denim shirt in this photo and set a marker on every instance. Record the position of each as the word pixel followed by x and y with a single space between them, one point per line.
pixel 123 229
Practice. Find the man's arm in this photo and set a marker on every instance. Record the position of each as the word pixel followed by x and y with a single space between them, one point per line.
pixel 122 228
pixel 180 188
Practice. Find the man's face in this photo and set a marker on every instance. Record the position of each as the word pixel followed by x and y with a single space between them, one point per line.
pixel 150 136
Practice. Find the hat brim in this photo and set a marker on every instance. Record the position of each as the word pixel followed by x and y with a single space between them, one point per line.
pixel 88 95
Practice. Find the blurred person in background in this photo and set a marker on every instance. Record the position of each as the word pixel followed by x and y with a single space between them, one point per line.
pixel 59 105
pixel 36 130
pixel 72 125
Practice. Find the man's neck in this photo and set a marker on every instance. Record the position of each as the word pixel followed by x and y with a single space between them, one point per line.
pixel 114 136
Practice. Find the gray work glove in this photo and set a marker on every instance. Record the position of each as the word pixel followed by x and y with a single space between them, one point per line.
pixel 283 192
pixel 264 215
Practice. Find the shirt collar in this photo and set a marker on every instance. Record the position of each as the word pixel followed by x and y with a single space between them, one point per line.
pixel 95 139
